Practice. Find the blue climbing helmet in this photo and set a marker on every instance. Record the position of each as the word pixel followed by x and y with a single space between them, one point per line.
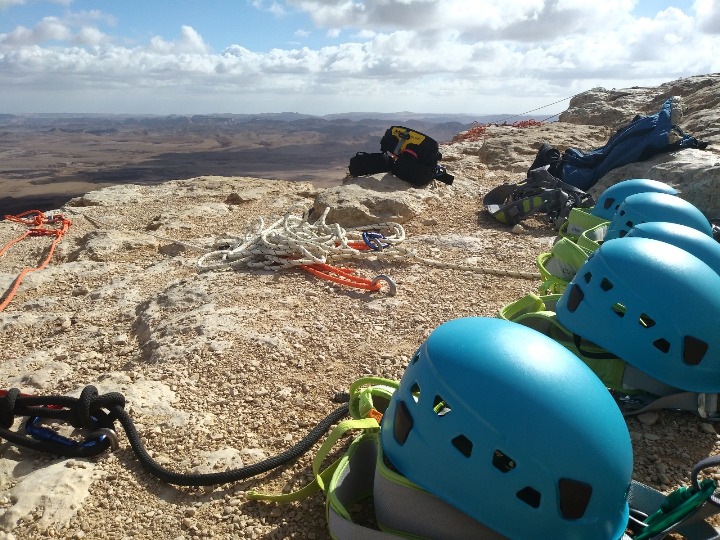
pixel 613 197
pixel 704 247
pixel 505 424
pixel 647 207
pixel 652 304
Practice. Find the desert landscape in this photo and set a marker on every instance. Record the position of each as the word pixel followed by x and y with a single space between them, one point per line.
pixel 223 368
pixel 47 159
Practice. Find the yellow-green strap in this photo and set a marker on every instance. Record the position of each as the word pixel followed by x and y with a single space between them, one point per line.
pixel 298 495
pixel 335 435
pixel 364 389
pixel 537 312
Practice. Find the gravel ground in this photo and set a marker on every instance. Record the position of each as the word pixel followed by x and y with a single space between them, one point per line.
pixel 225 368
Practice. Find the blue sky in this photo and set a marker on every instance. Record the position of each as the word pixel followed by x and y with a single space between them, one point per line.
pixel 329 56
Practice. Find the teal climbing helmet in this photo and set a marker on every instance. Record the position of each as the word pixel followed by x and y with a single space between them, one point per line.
pixel 613 197
pixel 508 426
pixel 652 304
pixel 647 207
pixel 704 247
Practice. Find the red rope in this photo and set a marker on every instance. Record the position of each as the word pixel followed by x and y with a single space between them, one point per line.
pixel 36 222
pixel 342 276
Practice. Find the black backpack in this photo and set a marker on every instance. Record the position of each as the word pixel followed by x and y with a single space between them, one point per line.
pixel 410 155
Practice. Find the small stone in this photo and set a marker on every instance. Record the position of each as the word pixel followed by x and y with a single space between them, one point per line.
pixel 80 291
pixel 518 229
pixel 651 437
pixel 708 428
pixel 648 418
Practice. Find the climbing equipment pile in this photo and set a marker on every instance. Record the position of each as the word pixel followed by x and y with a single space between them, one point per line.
pixel 632 287
pixel 567 176
pixel 293 241
pixel 39 224
pixel 443 447
pixel 640 139
pixel 540 192
pixel 437 454
pixel 500 427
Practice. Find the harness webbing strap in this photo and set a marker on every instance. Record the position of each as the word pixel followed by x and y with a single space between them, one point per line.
pixel 353 482
pixel 401 508
pixel 579 220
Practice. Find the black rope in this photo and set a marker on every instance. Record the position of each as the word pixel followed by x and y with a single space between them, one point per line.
pixel 97 413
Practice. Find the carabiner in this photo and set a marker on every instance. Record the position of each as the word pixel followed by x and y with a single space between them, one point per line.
pixel 372 240
pixel 387 279
pixel 44 434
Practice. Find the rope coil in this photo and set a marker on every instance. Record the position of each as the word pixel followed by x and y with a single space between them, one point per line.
pixel 293 241
pixel 36 223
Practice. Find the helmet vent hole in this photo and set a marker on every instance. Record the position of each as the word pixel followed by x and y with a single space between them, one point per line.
pixel 415 392
pixel 629 224
pixel 663 345
pixel 618 309
pixel 502 462
pixel 606 284
pixel 574 298
pixel 415 357
pixel 646 321
pixel 403 423
pixel 622 234
pixel 440 406
pixel 608 203
pixel 587 277
pixel 463 444
pixel 574 498
pixel 694 350
pixel 529 496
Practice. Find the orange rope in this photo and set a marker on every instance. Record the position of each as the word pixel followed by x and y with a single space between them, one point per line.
pixel 342 276
pixel 35 222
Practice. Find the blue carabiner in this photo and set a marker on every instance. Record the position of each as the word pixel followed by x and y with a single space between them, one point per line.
pixel 372 240
pixel 44 434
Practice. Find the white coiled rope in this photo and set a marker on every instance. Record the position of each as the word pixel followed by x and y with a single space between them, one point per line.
pixel 293 241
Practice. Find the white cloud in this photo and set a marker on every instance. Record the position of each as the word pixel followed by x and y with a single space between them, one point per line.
pixel 4 4
pixel 89 36
pixel 190 42
pixel 276 8
pixel 49 29
pixel 708 12
pixel 449 55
